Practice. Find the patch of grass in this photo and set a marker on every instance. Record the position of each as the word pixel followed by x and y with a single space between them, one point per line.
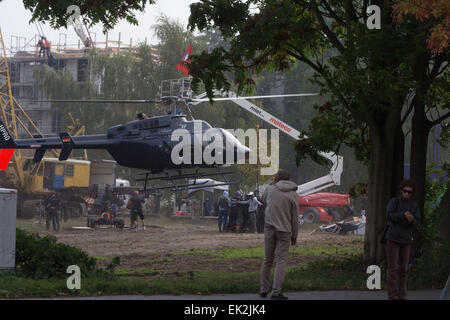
pixel 127 271
pixel 329 249
pixel 258 252
pixel 163 259
pixel 328 274
pixel 337 267
pixel 101 258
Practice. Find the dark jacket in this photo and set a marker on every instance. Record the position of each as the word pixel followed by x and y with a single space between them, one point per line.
pixel 52 203
pixel 137 200
pixel 400 229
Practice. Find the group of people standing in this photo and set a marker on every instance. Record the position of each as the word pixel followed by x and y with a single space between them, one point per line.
pixel 249 213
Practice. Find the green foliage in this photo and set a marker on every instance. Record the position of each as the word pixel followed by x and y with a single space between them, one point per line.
pixel 366 74
pixel 107 12
pixel 43 257
pixel 113 265
pixel 358 190
pixel 432 266
pixel 435 190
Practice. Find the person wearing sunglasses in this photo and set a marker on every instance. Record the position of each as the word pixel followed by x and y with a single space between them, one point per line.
pixel 403 217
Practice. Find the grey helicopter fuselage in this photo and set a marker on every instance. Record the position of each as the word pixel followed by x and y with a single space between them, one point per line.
pixel 143 144
pixel 148 143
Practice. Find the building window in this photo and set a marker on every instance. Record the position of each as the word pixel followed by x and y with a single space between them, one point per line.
pixel 61 64
pixel 82 70
pixel 14 72
pixel 69 170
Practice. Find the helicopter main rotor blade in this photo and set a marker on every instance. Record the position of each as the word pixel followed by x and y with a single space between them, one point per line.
pixel 101 101
pixel 259 97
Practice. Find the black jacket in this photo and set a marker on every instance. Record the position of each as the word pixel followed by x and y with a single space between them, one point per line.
pixel 52 203
pixel 137 201
pixel 400 229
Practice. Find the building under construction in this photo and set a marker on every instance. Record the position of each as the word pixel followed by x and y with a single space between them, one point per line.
pixel 24 56
pixel 25 114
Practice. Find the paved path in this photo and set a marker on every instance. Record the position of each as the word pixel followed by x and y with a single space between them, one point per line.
pixel 304 295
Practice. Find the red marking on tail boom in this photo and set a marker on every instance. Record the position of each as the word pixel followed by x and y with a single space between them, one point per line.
pixel 5 157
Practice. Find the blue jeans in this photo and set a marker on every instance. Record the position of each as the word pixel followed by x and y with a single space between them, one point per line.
pixel 223 216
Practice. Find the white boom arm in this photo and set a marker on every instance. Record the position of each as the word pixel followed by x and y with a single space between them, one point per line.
pixel 333 178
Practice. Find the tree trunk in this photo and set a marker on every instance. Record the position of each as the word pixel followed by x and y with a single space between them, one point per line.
pixel 419 145
pixel 399 160
pixel 386 153
pixel 421 127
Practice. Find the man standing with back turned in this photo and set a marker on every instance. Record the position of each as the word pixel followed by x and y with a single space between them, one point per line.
pixel 280 230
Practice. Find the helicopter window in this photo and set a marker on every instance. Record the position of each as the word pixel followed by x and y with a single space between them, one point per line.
pixel 156 123
pixel 205 125
pixel 135 126
pixel 121 128
pixel 141 125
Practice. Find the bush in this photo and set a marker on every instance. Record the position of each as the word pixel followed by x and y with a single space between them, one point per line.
pixel 43 257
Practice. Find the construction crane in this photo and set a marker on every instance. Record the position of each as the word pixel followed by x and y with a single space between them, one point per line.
pixel 13 116
pixel 85 37
pixel 77 129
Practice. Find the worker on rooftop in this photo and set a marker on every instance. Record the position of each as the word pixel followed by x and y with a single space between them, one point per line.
pixel 47 46
pixel 41 46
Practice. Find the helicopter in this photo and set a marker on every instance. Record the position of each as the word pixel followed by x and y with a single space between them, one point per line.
pixel 146 143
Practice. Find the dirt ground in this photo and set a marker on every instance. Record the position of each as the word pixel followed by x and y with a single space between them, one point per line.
pixel 155 247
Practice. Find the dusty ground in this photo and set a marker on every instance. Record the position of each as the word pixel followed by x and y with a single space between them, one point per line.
pixel 156 247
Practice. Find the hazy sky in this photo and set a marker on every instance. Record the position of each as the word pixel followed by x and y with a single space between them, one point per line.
pixel 14 21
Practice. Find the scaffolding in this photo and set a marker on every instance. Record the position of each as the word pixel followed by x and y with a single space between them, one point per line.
pixel 20 47
pixel 180 88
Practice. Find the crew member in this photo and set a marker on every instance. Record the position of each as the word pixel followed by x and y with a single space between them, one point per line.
pixel 234 211
pixel 253 204
pixel 224 204
pixel 280 230
pixel 136 210
pixel 52 206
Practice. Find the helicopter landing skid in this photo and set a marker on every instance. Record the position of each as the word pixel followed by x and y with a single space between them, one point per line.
pixel 172 178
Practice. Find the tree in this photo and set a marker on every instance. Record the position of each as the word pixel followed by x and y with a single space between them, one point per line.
pixel 375 79
pixel 426 9
pixel 107 12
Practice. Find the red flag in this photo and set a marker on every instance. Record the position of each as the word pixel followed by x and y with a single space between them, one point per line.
pixel 5 156
pixel 184 61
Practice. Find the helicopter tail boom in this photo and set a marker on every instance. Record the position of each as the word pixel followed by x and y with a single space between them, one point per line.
pixel 6 139
pixel 41 144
